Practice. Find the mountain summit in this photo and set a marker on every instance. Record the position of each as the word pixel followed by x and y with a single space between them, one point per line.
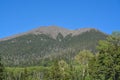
pixel 46 43
pixel 52 31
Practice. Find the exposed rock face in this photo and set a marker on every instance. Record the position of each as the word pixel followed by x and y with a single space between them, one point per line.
pixel 51 31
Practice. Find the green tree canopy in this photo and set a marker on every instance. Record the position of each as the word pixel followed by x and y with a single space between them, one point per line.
pixel 107 64
pixel 83 59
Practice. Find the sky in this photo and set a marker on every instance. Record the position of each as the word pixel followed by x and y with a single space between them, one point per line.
pixel 17 16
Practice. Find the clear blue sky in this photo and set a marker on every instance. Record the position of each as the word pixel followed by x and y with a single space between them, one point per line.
pixel 18 16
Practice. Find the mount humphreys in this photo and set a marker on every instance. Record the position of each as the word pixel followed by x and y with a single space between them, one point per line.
pixel 41 45
pixel 52 31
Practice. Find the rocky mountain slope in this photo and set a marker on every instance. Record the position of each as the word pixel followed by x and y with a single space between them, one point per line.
pixel 41 45
pixel 51 31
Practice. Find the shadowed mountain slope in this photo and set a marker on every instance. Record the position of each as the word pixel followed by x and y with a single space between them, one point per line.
pixel 41 45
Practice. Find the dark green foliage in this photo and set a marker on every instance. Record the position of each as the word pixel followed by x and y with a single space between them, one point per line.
pixel 54 73
pixel 59 37
pixel 58 71
pixel 107 64
pixel 2 70
pixel 24 75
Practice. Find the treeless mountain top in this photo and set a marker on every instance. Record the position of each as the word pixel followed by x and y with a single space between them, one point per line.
pixel 51 31
pixel 54 30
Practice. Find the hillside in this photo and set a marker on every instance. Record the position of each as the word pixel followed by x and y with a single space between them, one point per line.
pixel 42 45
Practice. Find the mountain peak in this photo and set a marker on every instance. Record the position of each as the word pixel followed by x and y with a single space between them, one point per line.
pixel 81 30
pixel 52 31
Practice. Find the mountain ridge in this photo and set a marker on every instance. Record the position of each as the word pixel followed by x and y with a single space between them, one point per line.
pixel 50 30
pixel 39 48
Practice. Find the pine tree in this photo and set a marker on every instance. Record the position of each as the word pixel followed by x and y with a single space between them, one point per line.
pixel 58 71
pixel 2 70
pixel 55 71
pixel 107 65
pixel 24 75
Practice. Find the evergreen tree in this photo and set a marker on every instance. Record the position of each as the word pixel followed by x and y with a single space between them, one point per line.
pixel 107 66
pixel 58 71
pixel 2 70
pixel 24 75
pixel 83 59
pixel 55 71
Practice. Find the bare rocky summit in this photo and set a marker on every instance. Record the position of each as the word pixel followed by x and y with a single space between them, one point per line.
pixel 51 31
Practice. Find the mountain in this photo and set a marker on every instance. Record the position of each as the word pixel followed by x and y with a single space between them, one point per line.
pixel 40 46
pixel 51 31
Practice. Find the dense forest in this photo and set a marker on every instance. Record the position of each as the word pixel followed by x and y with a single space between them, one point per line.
pixel 102 64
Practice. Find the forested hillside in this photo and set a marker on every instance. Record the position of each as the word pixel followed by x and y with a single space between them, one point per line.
pixel 85 65
pixel 40 49
pixel 90 55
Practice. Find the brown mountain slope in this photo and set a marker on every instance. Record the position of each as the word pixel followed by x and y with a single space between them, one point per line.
pixel 51 31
